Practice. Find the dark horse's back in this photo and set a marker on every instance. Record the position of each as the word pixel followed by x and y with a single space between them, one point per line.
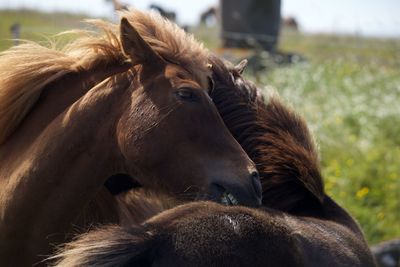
pixel 209 234
pixel 213 235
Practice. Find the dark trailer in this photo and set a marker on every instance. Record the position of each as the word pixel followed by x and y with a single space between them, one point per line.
pixel 250 24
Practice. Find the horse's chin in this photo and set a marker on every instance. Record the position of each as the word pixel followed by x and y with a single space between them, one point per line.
pixel 120 183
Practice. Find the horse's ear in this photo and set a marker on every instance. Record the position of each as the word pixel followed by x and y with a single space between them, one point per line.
pixel 136 48
pixel 241 66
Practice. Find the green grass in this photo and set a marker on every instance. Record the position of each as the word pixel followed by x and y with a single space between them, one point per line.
pixel 34 25
pixel 349 92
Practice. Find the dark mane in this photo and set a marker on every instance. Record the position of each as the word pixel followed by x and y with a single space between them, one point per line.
pixel 275 138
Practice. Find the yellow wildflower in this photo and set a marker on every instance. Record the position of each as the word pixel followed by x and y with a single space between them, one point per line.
pixel 362 192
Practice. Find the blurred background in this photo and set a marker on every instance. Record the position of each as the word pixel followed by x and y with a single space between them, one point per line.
pixel 336 61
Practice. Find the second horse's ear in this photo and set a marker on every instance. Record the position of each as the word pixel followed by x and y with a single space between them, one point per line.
pixel 241 66
pixel 136 48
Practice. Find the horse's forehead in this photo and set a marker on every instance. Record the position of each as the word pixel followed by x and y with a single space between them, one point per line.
pixel 180 77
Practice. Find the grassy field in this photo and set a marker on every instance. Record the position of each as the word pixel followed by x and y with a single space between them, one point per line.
pixel 348 89
pixel 349 92
pixel 34 25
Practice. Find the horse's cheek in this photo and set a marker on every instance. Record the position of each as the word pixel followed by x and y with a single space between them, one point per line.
pixel 134 134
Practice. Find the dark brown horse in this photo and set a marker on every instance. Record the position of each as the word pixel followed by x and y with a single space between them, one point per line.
pixel 132 105
pixel 298 225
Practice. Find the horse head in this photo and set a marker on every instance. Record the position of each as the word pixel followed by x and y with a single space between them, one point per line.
pixel 171 136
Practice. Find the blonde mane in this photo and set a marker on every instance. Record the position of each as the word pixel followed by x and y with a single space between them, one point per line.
pixel 26 69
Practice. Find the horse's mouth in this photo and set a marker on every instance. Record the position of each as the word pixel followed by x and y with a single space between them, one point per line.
pixel 119 183
pixel 228 199
pixel 221 195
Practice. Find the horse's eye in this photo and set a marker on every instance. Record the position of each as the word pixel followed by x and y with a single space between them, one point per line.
pixel 187 94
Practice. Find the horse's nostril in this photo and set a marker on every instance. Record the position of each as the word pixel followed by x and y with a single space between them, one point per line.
pixel 246 191
pixel 255 178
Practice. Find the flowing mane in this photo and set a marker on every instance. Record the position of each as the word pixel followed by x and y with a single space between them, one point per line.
pixel 275 138
pixel 28 68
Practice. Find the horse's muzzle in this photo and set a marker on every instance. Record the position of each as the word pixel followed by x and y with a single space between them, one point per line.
pixel 247 193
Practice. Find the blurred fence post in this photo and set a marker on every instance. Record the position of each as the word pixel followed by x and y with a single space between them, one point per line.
pixel 250 24
pixel 15 30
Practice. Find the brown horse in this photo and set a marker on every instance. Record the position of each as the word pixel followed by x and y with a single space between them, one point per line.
pixel 132 105
pixel 298 225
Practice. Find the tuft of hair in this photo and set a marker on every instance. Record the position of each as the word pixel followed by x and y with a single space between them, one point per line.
pixel 105 247
pixel 26 69
pixel 169 40
pixel 275 137
pixel 137 205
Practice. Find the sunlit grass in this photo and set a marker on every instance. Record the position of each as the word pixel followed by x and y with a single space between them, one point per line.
pixel 35 25
pixel 349 92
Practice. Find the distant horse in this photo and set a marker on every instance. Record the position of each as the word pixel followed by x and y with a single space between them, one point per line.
pixel 290 23
pixel 209 15
pixel 130 106
pixel 298 225
pixel 171 15
pixel 118 6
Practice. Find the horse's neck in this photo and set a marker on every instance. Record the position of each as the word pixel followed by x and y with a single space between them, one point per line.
pixel 102 209
pixel 45 178
pixel 54 100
